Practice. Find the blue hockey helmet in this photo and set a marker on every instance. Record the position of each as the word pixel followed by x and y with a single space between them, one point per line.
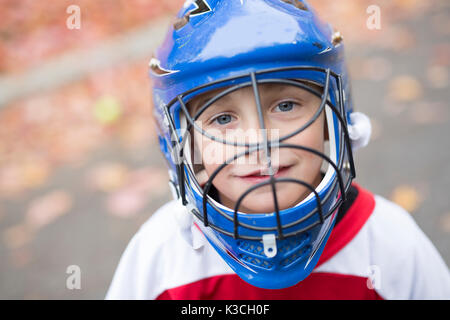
pixel 234 44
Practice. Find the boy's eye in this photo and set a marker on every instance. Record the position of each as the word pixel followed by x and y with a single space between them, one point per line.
pixel 285 106
pixel 223 119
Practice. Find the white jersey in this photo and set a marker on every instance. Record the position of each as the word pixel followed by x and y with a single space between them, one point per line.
pixel 376 251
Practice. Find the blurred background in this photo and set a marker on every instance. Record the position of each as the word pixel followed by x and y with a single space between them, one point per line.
pixel 80 169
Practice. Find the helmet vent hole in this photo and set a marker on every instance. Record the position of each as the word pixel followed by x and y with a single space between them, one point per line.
pixel 297 256
pixel 256 262
pixel 181 22
pixel 296 3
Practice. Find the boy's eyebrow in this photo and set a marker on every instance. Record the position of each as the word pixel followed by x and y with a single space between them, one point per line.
pixel 202 102
pixel 268 88
pixel 197 104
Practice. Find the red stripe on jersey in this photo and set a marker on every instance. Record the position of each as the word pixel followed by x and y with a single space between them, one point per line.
pixel 353 220
pixel 318 286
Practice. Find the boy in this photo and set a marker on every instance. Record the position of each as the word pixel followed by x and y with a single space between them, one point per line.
pixel 255 120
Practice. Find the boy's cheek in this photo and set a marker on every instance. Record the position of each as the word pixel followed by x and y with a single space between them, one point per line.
pixel 213 154
pixel 216 153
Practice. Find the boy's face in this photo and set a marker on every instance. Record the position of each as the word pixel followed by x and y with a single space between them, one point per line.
pixel 234 118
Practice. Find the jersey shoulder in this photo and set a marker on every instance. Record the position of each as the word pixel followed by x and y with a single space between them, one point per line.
pixel 138 263
pixel 395 255
pixel 162 255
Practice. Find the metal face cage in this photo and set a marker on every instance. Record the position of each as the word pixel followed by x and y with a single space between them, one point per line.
pixel 344 170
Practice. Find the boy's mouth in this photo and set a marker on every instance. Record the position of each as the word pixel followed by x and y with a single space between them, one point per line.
pixel 261 175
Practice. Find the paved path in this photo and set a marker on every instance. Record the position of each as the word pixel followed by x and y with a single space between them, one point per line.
pixel 75 65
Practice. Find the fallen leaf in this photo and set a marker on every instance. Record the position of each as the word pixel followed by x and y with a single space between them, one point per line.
pixel 35 173
pixel 43 116
pixel 11 182
pixel 405 88
pixel 126 203
pixel 20 257
pixel 441 54
pixel 441 23
pixel 107 110
pixel 149 180
pixel 444 222
pixel 47 208
pixel 437 76
pixel 17 236
pixel 393 108
pixel 377 68
pixel 407 197
pixel 142 185
pixel 429 113
pixel 398 38
pixel 136 132
pixel 34 296
pixel 108 177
